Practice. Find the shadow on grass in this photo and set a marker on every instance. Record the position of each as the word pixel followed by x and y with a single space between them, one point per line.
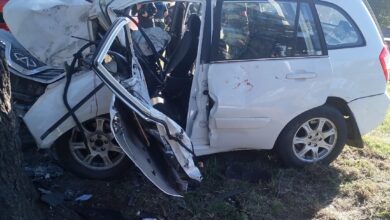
pixel 236 185
pixel 254 185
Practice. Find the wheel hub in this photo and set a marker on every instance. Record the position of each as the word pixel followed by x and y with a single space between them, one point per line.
pixel 101 152
pixel 99 143
pixel 315 139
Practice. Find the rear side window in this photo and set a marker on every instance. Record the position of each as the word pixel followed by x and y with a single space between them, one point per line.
pixel 339 29
pixel 267 29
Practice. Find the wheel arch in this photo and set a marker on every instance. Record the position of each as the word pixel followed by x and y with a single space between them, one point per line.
pixel 354 137
pixel 64 129
pixel 69 128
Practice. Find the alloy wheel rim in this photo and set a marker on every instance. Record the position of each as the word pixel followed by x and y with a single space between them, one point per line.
pixel 102 152
pixel 314 140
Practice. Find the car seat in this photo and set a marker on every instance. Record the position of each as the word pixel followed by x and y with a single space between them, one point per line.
pixel 185 52
pixel 178 78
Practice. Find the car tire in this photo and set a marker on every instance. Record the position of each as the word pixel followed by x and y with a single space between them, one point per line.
pixel 76 158
pixel 316 136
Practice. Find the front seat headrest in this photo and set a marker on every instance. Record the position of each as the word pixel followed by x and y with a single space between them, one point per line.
pixel 193 24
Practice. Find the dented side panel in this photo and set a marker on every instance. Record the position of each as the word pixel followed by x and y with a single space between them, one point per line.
pixel 137 150
pixel 254 100
pixel 48 118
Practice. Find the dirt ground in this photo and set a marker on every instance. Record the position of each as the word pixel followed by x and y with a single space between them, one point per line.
pixel 247 185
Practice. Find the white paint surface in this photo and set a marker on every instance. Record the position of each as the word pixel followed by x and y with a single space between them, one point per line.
pixel 45 27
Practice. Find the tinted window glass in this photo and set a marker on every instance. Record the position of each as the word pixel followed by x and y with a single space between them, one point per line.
pixel 338 29
pixel 267 29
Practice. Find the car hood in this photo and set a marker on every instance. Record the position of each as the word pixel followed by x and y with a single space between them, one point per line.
pixel 54 30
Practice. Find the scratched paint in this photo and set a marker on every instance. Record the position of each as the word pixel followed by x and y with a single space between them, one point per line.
pixel 246 83
pixel 242 79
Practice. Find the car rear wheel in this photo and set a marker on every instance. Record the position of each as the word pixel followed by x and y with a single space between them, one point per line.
pixel 102 158
pixel 316 136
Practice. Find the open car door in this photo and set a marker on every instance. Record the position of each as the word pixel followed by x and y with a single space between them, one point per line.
pixel 156 144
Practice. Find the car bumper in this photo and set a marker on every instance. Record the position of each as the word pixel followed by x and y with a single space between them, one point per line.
pixel 370 111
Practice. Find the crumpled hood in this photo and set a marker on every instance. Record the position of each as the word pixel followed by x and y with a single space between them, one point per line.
pixel 46 27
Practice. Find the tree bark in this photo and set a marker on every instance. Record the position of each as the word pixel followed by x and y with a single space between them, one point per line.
pixel 18 197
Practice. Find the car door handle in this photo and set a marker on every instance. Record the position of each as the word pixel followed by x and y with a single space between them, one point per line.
pixel 301 75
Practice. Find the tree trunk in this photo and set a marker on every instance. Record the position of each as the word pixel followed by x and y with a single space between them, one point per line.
pixel 18 197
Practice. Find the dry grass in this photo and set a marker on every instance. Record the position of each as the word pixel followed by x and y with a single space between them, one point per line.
pixel 355 186
pixel 365 187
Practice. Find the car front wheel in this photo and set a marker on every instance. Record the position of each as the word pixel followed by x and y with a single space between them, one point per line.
pixel 316 136
pixel 102 158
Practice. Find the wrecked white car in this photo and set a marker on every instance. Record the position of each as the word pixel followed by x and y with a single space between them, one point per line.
pixel 230 75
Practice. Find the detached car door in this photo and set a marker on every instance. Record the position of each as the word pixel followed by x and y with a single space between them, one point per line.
pixel 157 145
pixel 269 64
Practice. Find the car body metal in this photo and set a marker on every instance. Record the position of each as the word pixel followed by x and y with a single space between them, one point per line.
pixel 253 100
pixel 208 134
pixel 173 138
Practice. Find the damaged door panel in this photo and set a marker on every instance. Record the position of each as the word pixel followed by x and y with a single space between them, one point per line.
pixel 140 151
pixel 263 89
pixel 162 150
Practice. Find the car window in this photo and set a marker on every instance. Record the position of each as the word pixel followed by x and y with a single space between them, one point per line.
pixel 339 30
pixel 267 29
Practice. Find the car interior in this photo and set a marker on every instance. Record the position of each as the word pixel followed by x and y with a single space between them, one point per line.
pixel 269 31
pixel 169 72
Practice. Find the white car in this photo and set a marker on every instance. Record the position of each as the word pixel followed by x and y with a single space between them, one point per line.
pixel 387 41
pixel 302 77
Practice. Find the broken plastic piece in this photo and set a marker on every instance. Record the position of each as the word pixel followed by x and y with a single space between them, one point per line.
pixel 84 197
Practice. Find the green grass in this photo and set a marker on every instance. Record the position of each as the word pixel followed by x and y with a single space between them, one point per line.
pixel 378 141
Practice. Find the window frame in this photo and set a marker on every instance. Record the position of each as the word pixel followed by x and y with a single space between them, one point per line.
pixel 363 42
pixel 217 13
